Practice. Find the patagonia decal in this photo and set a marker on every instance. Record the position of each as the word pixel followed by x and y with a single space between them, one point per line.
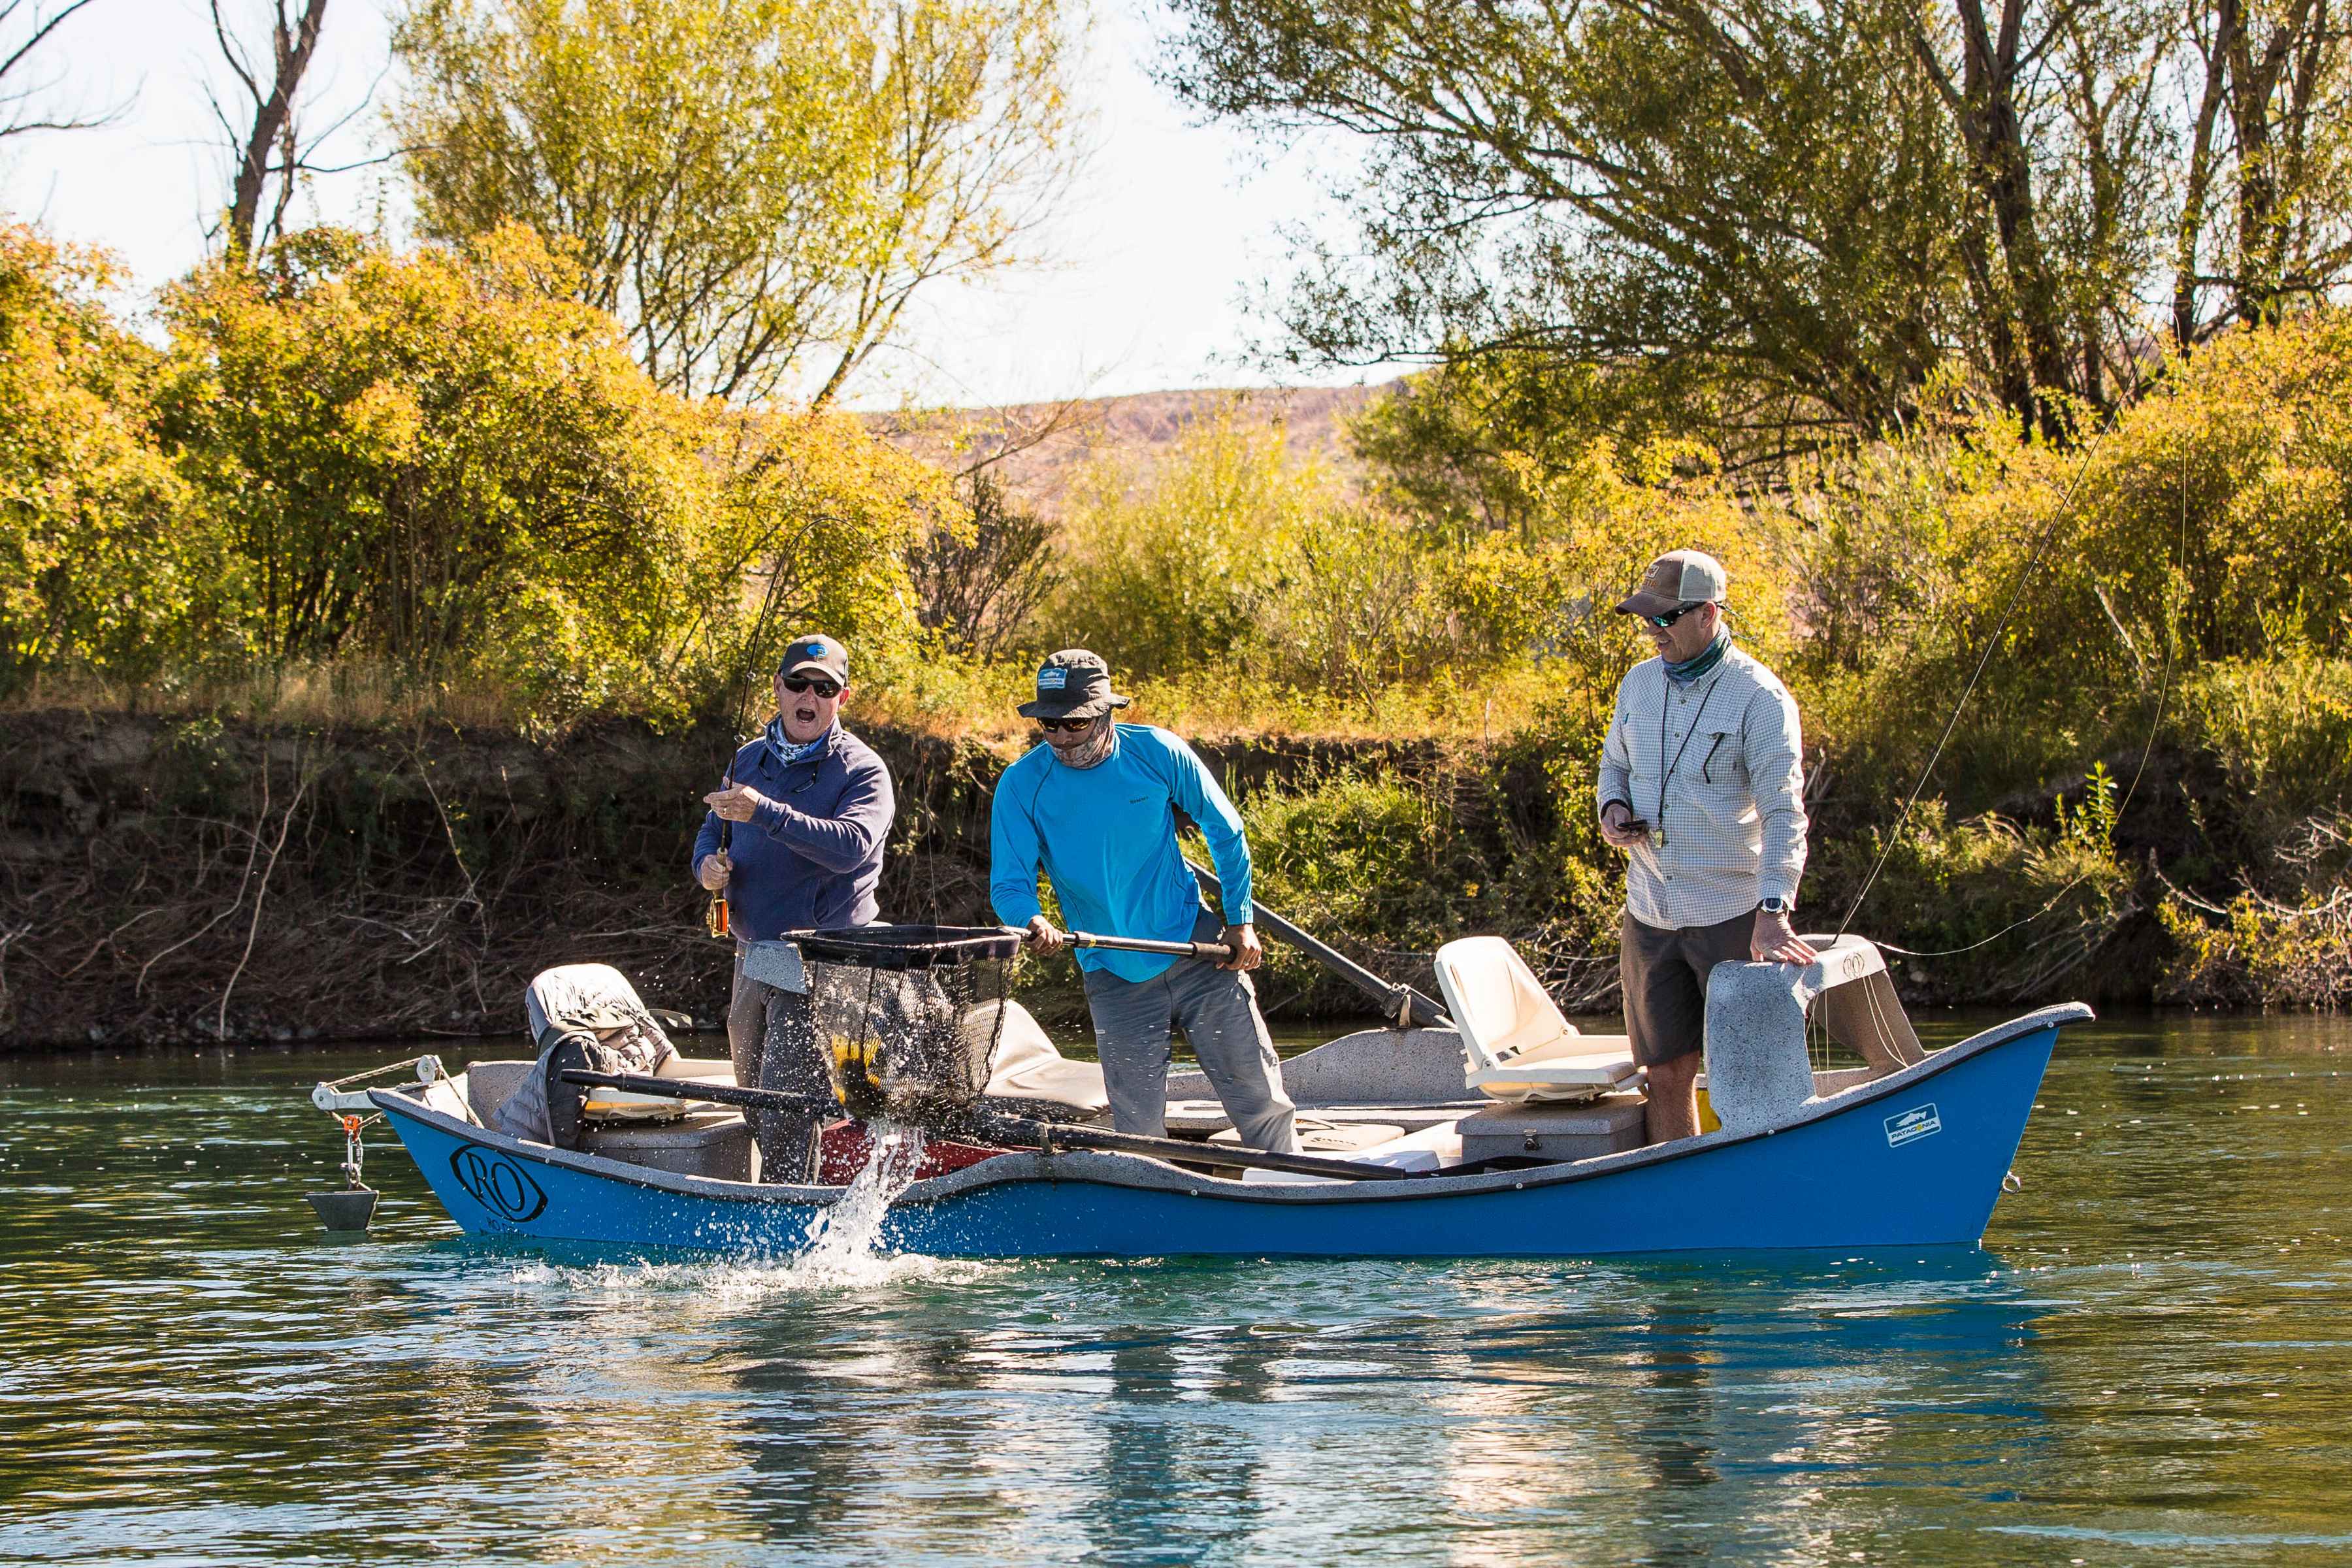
pixel 1919 1121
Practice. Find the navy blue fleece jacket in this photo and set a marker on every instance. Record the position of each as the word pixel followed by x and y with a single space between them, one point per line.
pixel 811 857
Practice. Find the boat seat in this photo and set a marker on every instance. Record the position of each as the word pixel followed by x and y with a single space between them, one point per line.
pixel 1317 1136
pixel 1025 1065
pixel 620 1105
pixel 1518 1044
pixel 1431 1150
pixel 599 998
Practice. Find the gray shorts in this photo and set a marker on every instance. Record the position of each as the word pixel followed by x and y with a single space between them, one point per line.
pixel 1664 974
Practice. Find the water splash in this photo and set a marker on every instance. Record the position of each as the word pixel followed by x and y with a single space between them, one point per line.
pixel 842 1250
pixel 844 1241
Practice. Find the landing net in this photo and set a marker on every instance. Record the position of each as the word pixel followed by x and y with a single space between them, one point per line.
pixel 912 1014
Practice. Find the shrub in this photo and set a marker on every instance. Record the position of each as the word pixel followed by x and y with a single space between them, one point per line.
pixel 1383 865
pixel 2281 729
pixel 436 462
pixel 98 567
pixel 1999 909
pixel 2255 951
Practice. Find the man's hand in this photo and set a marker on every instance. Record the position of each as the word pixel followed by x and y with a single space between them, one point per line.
pixel 1617 825
pixel 1775 940
pixel 736 803
pixel 1248 952
pixel 1041 938
pixel 714 870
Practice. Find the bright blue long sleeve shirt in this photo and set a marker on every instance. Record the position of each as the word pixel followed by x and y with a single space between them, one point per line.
pixel 1105 836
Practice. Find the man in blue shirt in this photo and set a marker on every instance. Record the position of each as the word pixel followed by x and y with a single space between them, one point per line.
pixel 809 806
pixel 1095 809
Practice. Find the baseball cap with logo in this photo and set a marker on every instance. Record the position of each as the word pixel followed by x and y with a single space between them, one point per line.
pixel 816 656
pixel 1679 577
pixel 1073 684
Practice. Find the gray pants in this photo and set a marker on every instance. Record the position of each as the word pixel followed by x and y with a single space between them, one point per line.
pixel 782 1044
pixel 1217 1010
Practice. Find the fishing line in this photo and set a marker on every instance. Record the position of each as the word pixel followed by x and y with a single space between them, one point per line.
pixel 2032 561
pixel 2148 748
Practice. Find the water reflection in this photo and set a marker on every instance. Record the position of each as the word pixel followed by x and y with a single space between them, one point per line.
pixel 2151 1363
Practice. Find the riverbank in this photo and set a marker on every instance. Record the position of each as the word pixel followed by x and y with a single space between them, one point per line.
pixel 173 880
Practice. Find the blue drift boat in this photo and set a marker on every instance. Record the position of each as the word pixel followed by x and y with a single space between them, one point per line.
pixel 1507 1134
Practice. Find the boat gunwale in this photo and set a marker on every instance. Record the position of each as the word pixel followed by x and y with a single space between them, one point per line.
pixel 1145 1174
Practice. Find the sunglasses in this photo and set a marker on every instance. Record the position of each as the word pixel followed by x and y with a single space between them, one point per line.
pixel 796 684
pixel 1671 617
pixel 1072 725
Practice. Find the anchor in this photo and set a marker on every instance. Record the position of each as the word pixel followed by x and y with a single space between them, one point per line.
pixel 354 1205
pixel 351 1206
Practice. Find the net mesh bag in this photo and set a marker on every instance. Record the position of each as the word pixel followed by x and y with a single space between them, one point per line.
pixel 910 1015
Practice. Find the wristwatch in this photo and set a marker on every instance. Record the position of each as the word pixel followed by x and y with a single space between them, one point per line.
pixel 1776 905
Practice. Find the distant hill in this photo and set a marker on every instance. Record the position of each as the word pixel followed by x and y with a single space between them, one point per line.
pixel 1040 470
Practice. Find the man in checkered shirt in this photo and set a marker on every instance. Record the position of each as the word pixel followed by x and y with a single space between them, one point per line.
pixel 1703 785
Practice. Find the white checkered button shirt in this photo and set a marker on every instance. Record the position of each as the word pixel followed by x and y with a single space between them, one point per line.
pixel 1734 811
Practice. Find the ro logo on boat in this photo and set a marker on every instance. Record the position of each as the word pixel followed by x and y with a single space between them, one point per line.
pixel 1919 1121
pixel 499 1184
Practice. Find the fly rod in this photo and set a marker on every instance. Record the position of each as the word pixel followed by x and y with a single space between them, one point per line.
pixel 1401 1006
pixel 1028 1130
pixel 1984 657
pixel 716 916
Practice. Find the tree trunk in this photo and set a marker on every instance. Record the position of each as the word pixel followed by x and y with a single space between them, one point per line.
pixel 1995 140
pixel 2228 17
pixel 272 120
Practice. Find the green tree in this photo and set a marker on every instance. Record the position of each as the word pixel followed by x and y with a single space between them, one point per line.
pixel 1761 194
pixel 1802 216
pixel 756 188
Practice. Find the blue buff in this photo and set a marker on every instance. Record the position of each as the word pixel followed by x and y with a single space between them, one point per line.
pixel 1105 836
pixel 1699 663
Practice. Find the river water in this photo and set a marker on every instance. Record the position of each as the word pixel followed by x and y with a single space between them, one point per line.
pixel 2150 1362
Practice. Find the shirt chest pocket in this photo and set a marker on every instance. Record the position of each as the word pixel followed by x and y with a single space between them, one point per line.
pixel 1722 761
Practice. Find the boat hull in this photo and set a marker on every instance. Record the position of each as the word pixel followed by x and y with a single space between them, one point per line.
pixel 1914 1160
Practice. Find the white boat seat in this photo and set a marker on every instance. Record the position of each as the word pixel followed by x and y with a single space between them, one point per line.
pixel 1025 1066
pixel 1518 1044
pixel 1432 1148
pixel 1316 1136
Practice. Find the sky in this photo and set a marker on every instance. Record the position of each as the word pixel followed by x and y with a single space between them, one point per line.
pixel 1160 258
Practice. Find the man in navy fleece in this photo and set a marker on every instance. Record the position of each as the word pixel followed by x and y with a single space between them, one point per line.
pixel 1095 809
pixel 812 806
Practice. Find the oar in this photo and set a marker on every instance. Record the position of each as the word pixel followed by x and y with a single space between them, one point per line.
pixel 1025 1129
pixel 716 1093
pixel 1401 1004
